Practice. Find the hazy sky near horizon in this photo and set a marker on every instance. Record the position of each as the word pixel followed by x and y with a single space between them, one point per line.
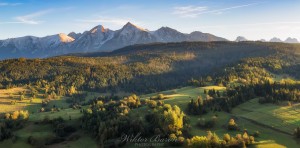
pixel 254 19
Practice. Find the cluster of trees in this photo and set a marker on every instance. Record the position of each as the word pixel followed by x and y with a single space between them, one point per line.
pixel 108 120
pixel 159 97
pixel 17 115
pixel 268 93
pixel 202 106
pixel 12 121
pixel 275 93
pixel 207 123
pixel 254 70
pixel 297 132
pixel 77 98
pixel 168 122
pixel 232 125
pixel 5 131
pixel 198 107
pixel 61 129
pixel 153 103
pixel 141 69
pixel 167 119
pixel 47 108
pixel 201 82
pixel 213 140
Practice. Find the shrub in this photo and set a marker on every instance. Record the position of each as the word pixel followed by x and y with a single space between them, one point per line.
pixel 256 134
pixel 226 137
pixel 160 96
pixel 207 123
pixel 31 140
pixel 152 103
pixel 232 125
pixel 297 132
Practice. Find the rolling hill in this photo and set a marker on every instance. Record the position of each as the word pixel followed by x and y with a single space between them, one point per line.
pixel 151 67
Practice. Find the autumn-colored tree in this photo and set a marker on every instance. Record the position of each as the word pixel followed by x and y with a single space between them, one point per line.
pixel 226 137
pixel 232 125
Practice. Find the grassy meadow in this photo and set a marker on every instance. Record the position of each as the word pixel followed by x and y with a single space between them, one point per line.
pixel 268 119
pixel 274 122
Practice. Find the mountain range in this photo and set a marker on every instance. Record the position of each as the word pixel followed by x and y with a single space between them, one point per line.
pixel 97 39
pixel 275 39
pixel 100 39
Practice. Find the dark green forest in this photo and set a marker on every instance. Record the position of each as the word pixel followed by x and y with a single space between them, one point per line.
pixel 245 69
pixel 153 67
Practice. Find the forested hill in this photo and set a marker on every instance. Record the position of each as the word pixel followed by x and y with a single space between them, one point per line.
pixel 194 46
pixel 141 68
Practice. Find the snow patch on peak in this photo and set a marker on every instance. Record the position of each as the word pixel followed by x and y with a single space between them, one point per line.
pixel 65 38
pixel 167 30
pixel 98 28
pixel 130 26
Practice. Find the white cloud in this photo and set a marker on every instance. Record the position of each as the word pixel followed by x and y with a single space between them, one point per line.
pixel 10 4
pixel 10 22
pixel 189 11
pixel 32 18
pixel 195 11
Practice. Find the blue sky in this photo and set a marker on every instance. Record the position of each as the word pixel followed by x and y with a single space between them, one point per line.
pixel 254 19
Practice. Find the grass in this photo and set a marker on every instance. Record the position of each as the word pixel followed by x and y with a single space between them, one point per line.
pixel 65 114
pixel 13 94
pixel 40 131
pixel 268 144
pixel 8 95
pixel 283 118
pixel 269 137
pixel 268 119
pixel 43 132
pixel 34 106
pixel 182 96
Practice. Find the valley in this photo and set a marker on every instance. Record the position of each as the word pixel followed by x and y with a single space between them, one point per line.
pixel 217 93
pixel 267 119
pixel 149 74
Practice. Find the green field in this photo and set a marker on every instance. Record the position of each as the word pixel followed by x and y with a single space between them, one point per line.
pixel 33 106
pixel 45 131
pixel 268 117
pixel 39 131
pixel 275 123
pixel 282 118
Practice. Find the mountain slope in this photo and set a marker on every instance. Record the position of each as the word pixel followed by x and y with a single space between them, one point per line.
pixel 129 35
pixel 240 39
pixel 291 40
pixel 96 39
pixel 145 68
pixel 91 40
pixel 204 37
pixel 31 47
pixel 275 39
pixel 166 34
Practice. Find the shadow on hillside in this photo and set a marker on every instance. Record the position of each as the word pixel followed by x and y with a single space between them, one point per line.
pixel 209 62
